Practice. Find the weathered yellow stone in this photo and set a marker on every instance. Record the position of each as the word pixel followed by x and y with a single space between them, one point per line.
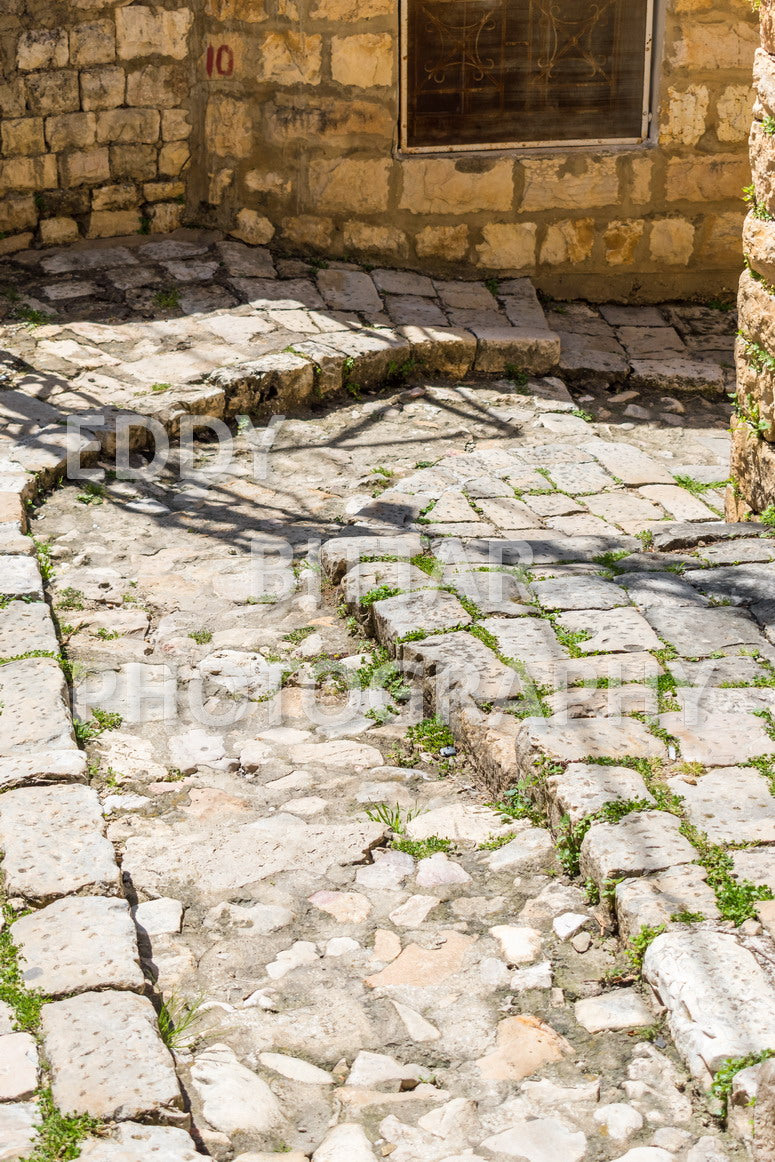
pixel 349 185
pixel 103 88
pixel 445 186
pixel 246 11
pixel 684 114
pixel 165 217
pixel 19 210
pixel 42 48
pixel 93 43
pixel 15 242
pixel 24 136
pixel 720 245
pixel 290 58
pixel 308 230
pixel 138 162
pixel 364 60
pixel 58 231
pixel 29 173
pixel 351 10
pixel 508 245
pixel 764 82
pixel 53 92
pixel 641 172
pixel 67 130
pixel 761 155
pixel 268 182
pixel 109 223
pixel 175 124
pixel 734 113
pixel 173 158
pixel 759 246
pixel 253 227
pixel 84 166
pixel 115 197
pixel 767 24
pixel 568 241
pixel 621 242
pixel 228 126
pixel 142 31
pixel 752 466
pixel 448 242
pixel 122 125
pixel 716 44
pixel 366 238
pixel 301 117
pixel 755 385
pixel 671 241
pixel 572 183
pixel 163 191
pixel 156 86
pixel 706 177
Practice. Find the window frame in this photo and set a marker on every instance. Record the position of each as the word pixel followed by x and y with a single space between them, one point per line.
pixel 649 89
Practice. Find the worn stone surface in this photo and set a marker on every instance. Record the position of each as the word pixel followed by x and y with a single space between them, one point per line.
pixel 35 707
pixel 132 1142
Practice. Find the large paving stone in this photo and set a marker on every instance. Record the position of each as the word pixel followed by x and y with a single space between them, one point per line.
pixel 20 577
pixel 719 1001
pixel 653 900
pixel 79 943
pixel 17 1129
pixel 697 633
pixel 656 588
pixel 36 713
pixel 462 662
pixel 53 842
pixel 369 575
pixel 219 860
pixel 26 626
pixel 581 738
pixel 730 804
pixel 631 667
pixel 628 463
pixel 107 1059
pixel 131 1142
pixel 756 865
pixel 426 610
pixel 584 788
pixel 611 630
pixel 234 1099
pixel 531 641
pixel 579 593
pixel 645 841
pixel 340 554
pixel 42 767
pixel 745 583
pixel 18 1067
pixel 716 739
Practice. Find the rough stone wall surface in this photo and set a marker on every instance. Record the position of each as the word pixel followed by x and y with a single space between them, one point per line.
pixel 290 109
pixel 753 425
pixel 95 119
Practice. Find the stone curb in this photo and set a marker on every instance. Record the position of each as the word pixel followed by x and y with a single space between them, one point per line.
pixel 692 968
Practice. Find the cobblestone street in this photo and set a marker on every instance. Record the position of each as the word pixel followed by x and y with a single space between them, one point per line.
pixel 419 799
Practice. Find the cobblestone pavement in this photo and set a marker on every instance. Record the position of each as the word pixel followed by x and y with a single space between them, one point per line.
pixel 425 764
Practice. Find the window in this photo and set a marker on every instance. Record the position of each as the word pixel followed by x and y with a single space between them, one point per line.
pixel 490 73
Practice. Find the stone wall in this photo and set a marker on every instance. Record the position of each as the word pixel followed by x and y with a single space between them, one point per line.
pixel 95 104
pixel 753 424
pixel 290 109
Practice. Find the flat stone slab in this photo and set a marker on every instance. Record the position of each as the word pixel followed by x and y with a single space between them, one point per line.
pixel 645 841
pixel 628 463
pixel 730 804
pixel 422 610
pixel 131 1142
pixel 646 589
pixel 653 900
pixel 18 1068
pixel 341 553
pixel 698 633
pixel 579 593
pixel 20 577
pixel 756 865
pixel 17 1129
pixel 717 739
pixel 36 713
pixel 366 576
pixel 107 1058
pixel 720 1002
pixel 41 767
pixel 584 788
pixel 581 738
pixel 612 631
pixel 53 842
pixel 529 640
pixel 618 1009
pixel 26 626
pixel 458 660
pixel 79 943
pixel 745 583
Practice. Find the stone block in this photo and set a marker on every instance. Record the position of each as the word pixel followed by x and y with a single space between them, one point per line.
pixel 671 241
pixel 449 243
pixel 583 788
pixel 347 184
pixel 123 125
pixel 156 86
pixel 42 48
pixel 175 124
pixel 82 167
pixel 253 228
pixel 290 58
pixel 345 290
pixel 142 31
pixel 113 223
pixel 730 804
pixel 107 1059
pixel 77 944
pixel 715 44
pixel 41 766
pixel 93 43
pixel 640 843
pixel 718 739
pixel 684 115
pixel 18 1067
pixel 439 186
pixel 23 135
pixel 366 238
pixel 103 88
pixel 508 246
pixel 580 185
pixel 447 351
pixel 706 178
pixel 701 633
pixel 720 1003
pixel 116 197
pixel 29 173
pixel 56 92
pixel 228 125
pixel 734 109
pixel 67 130
pixel 174 156
pixel 165 217
pixel 568 242
pixel 621 241
pixel 422 610
pixel 18 1128
pixel 759 246
pixel 364 60
pixel 132 1142
pixel 39 863
pixel 574 740
pixel 622 1008
pixel 138 162
pixel 530 350
pixel 26 626
pixel 19 211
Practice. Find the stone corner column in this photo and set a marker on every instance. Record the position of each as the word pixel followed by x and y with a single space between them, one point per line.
pixel 764 1114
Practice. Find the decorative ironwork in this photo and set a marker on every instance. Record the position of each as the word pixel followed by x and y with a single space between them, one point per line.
pixel 489 71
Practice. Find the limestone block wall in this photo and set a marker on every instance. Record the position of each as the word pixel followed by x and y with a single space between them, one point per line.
pixel 95 119
pixel 753 425
pixel 301 146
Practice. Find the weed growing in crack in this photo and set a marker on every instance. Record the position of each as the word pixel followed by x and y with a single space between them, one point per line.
pixel 176 1017
pixel 638 945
